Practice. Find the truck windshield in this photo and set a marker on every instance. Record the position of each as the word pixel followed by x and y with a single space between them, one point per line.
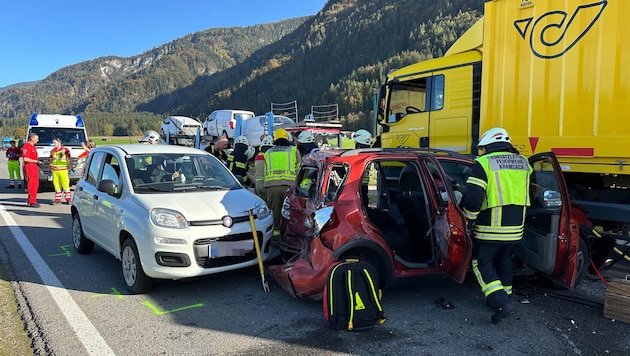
pixel 68 136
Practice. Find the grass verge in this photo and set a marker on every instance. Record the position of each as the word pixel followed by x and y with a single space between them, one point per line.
pixel 13 338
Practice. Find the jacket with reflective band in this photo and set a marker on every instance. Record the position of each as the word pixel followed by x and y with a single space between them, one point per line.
pixel 497 196
pixel 281 164
pixel 59 159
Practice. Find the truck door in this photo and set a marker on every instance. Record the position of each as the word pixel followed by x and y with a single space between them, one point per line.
pixel 550 242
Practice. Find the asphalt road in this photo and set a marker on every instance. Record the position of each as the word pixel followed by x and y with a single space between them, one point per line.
pixel 77 304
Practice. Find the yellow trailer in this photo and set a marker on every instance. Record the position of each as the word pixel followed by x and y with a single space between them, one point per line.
pixel 554 73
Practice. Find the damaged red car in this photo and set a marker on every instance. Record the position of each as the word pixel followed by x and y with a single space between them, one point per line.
pixel 398 210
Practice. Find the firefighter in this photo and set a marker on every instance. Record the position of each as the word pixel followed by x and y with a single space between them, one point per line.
pixel 150 137
pixel 495 202
pixel 306 143
pixel 60 161
pixel 217 148
pixel 362 139
pixel 259 165
pixel 281 164
pixel 237 160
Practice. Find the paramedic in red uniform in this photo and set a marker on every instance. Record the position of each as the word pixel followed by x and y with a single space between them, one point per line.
pixel 31 169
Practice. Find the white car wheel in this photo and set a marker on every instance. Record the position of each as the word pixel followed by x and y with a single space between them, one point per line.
pixel 80 242
pixel 136 280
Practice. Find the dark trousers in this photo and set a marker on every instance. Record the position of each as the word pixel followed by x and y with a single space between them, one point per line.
pixel 492 265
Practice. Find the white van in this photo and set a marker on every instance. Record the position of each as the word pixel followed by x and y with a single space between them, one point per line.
pixel 223 122
pixel 255 129
pixel 70 129
pixel 180 129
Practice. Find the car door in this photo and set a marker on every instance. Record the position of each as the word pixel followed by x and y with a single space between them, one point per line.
pixel 107 208
pixel 550 242
pixel 448 221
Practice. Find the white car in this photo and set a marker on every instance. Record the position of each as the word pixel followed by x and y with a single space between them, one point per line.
pixel 180 130
pixel 167 212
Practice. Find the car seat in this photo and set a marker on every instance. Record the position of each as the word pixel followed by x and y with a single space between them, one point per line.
pixel 413 208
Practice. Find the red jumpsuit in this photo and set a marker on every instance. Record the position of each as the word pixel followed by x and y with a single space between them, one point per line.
pixel 31 172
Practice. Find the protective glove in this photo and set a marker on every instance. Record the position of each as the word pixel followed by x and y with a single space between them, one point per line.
pixel 470 226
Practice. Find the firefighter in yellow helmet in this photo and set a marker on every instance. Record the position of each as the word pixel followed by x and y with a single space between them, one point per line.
pixel 281 164
pixel 497 196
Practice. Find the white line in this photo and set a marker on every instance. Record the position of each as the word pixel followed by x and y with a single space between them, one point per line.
pixel 83 328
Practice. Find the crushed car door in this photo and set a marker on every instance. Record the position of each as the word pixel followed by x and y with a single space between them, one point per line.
pixel 550 243
pixel 448 222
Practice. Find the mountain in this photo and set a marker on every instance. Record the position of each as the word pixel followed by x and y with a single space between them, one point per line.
pixel 337 56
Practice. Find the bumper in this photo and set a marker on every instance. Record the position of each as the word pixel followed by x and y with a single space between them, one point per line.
pixel 162 261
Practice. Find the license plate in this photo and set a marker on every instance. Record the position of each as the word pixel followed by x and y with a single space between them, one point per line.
pixel 230 248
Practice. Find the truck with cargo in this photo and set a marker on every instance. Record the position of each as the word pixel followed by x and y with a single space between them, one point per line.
pixel 553 73
pixel 70 129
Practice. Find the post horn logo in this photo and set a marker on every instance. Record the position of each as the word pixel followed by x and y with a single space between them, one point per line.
pixel 402 139
pixel 553 33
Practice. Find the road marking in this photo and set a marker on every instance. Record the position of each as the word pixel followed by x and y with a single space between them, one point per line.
pixel 157 311
pixel 89 337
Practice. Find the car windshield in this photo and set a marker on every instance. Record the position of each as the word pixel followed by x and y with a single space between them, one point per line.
pixel 178 172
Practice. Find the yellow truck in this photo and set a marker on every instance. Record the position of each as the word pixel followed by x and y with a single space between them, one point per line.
pixel 554 73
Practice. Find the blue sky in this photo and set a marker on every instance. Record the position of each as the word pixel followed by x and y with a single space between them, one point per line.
pixel 38 37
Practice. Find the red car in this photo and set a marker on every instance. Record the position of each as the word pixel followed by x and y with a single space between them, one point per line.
pixel 398 209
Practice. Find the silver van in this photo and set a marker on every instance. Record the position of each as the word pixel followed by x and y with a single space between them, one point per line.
pixel 223 122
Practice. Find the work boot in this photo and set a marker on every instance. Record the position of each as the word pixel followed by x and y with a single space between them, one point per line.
pixel 502 313
pixel 10 186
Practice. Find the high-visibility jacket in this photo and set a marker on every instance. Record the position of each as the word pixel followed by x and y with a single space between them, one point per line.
pixel 498 196
pixel 59 159
pixel 281 165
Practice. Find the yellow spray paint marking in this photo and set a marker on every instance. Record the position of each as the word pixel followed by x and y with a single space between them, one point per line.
pixel 358 302
pixel 66 251
pixel 162 312
pixel 114 292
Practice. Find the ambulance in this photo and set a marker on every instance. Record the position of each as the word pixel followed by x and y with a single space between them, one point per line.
pixel 70 129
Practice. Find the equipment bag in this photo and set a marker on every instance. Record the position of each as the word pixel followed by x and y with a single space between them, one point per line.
pixel 352 298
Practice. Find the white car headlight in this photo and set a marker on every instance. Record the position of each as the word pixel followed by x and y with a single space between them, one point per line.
pixel 261 210
pixel 168 218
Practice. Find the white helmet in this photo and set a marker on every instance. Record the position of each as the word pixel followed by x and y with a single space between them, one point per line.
pixel 494 135
pixel 267 141
pixel 150 137
pixel 362 137
pixel 306 136
pixel 250 152
pixel 241 139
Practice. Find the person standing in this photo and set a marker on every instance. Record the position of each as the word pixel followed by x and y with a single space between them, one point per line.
pixel 259 167
pixel 306 143
pixel 217 149
pixel 237 161
pixel 281 164
pixel 31 169
pixel 495 203
pixel 13 155
pixel 60 161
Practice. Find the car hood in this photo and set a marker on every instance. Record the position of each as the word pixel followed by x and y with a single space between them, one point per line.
pixel 202 205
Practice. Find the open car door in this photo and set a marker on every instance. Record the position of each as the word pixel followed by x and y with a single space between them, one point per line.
pixel 448 222
pixel 551 240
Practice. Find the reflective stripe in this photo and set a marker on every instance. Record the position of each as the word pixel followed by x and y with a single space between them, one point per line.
pixel 486 288
pixel 281 163
pixel 507 289
pixel 476 181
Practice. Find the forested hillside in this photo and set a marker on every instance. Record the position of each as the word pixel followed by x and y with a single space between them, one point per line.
pixel 338 56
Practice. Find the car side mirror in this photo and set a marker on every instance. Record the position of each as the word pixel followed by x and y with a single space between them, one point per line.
pixel 551 198
pixel 106 186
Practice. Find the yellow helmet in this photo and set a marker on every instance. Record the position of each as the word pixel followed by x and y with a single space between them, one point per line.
pixel 280 133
